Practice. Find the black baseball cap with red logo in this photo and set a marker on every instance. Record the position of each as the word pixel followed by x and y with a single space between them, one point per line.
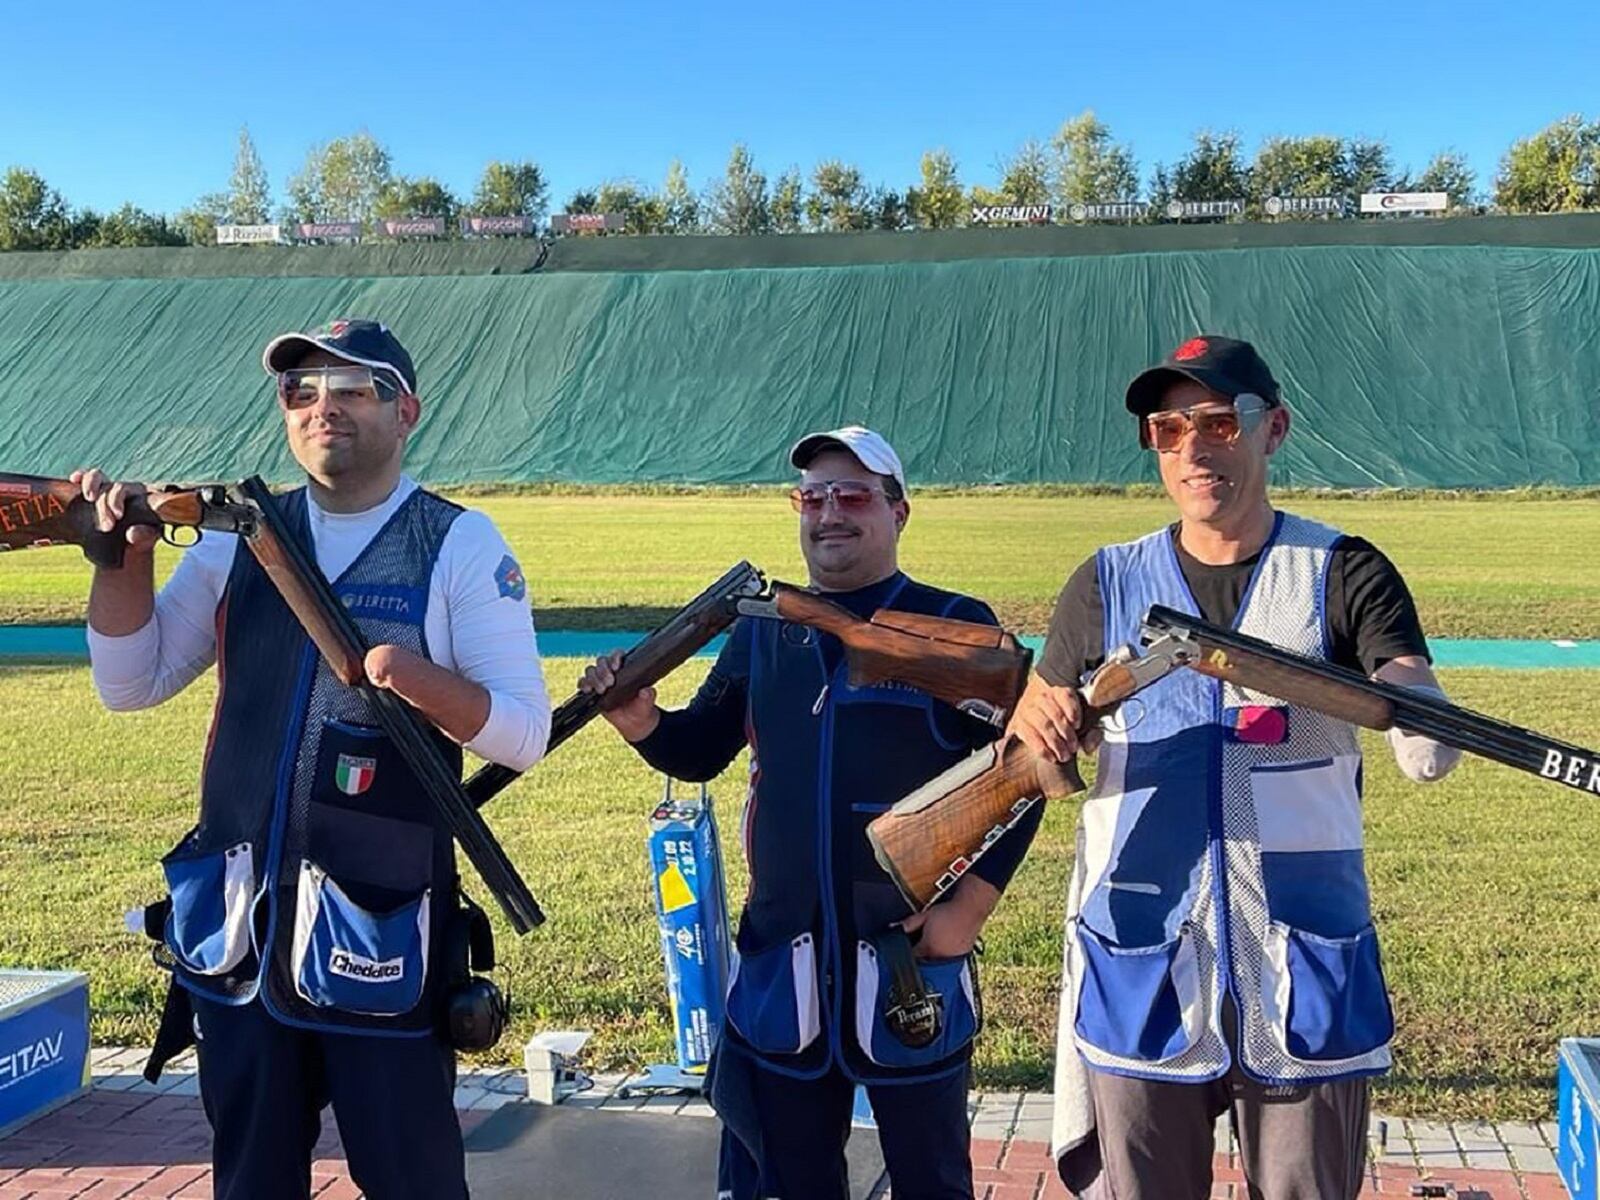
pixel 1224 365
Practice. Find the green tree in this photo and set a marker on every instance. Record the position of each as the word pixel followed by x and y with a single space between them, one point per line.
pixel 1301 167
pixel 838 200
pixel 1091 168
pixel 425 196
pixel 888 208
pixel 680 204
pixel 582 202
pixel 738 203
pixel 249 193
pixel 198 223
pixel 1025 178
pixel 1212 169
pixel 1554 170
pixel 341 181
pixel 788 204
pixel 641 211
pixel 33 216
pixel 1324 166
pixel 939 203
pixel 1448 172
pixel 512 189
pixel 132 226
pixel 1371 169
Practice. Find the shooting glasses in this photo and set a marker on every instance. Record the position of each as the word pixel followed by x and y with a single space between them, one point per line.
pixel 347 384
pixel 1164 431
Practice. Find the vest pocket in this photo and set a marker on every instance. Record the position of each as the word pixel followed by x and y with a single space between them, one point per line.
pixel 1324 998
pixel 349 958
pixel 356 767
pixel 213 893
pixel 772 997
pixel 1141 1002
pixel 948 978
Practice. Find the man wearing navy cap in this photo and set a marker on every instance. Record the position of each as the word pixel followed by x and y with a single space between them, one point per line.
pixel 314 901
pixel 810 1011
pixel 1220 952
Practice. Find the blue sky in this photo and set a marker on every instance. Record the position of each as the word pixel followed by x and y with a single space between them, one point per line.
pixel 112 107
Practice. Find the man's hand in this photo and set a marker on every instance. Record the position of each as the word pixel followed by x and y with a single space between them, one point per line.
pixel 951 928
pixel 110 502
pixel 635 719
pixel 1046 721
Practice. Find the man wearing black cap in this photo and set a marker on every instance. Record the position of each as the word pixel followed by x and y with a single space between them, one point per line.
pixel 313 904
pixel 813 1007
pixel 1220 952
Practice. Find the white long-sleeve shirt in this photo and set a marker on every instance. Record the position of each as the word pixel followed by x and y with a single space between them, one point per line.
pixel 478 624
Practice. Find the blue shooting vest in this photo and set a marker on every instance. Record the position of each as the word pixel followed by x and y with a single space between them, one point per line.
pixel 318 877
pixel 1220 854
pixel 805 991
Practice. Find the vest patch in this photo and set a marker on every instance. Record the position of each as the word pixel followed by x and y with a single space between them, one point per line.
pixel 350 965
pixel 354 775
pixel 508 579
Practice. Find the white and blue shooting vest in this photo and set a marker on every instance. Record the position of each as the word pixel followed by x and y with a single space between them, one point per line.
pixel 1219 858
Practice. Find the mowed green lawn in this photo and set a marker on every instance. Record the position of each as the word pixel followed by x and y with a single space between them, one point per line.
pixel 1487 888
pixel 1493 567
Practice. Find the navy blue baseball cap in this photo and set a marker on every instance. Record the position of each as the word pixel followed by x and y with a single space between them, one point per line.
pixel 1230 367
pixel 366 342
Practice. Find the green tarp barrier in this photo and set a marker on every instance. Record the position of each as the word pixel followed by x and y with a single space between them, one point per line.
pixel 1405 365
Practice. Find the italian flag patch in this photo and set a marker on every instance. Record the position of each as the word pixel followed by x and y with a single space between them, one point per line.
pixel 354 775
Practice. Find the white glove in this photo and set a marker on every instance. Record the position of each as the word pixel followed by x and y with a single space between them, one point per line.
pixel 1422 759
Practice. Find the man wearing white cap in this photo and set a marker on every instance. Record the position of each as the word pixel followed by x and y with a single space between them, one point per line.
pixel 817 1000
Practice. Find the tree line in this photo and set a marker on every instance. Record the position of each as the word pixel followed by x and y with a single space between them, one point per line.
pixel 353 178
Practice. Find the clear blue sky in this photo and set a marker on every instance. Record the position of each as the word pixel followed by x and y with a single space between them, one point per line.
pixel 111 106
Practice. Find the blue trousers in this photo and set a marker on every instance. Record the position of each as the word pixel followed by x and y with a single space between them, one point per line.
pixel 264 1085
pixel 803 1126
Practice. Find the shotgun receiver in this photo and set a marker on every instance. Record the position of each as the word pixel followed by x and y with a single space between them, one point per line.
pixel 304 588
pixel 930 839
pixel 37 511
pixel 981 669
pixel 1260 666
pixel 683 635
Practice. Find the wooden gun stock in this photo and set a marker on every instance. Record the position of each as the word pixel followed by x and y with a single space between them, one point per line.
pixel 953 661
pixel 39 511
pixel 927 841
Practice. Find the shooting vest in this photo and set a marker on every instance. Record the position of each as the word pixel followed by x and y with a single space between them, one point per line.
pixel 318 877
pixel 806 991
pixel 1219 857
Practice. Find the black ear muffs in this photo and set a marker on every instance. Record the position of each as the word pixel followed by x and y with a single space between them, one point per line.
pixel 476 1010
pixel 911 1012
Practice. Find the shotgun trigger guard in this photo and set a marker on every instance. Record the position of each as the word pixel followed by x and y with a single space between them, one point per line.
pixel 1126 718
pixel 984 711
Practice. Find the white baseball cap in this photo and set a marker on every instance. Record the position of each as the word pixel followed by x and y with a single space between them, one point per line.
pixel 870 450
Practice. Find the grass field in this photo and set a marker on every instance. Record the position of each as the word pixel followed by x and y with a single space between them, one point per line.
pixel 1485 887
pixel 1494 567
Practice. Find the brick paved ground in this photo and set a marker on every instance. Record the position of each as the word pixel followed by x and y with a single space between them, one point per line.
pixel 127 1140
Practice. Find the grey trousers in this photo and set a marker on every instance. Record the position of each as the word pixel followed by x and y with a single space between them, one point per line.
pixel 1156 1139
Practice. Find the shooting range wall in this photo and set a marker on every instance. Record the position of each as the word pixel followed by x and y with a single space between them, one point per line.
pixel 1413 352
